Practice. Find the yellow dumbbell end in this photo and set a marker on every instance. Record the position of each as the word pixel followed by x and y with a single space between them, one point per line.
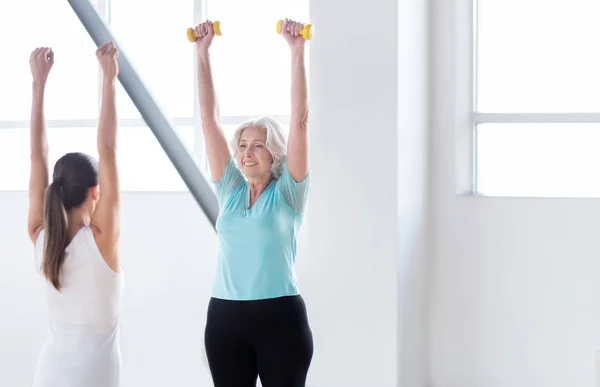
pixel 306 32
pixel 217 28
pixel 192 35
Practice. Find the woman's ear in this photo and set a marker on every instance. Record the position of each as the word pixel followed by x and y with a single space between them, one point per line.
pixel 95 192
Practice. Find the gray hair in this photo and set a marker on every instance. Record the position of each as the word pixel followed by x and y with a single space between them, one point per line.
pixel 276 141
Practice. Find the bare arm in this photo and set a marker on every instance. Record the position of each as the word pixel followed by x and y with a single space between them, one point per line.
pixel 298 163
pixel 41 62
pixel 216 143
pixel 105 220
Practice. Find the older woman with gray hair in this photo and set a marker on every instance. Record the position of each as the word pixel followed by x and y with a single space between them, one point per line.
pixel 257 323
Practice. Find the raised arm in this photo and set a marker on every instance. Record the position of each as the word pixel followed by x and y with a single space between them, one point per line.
pixel 40 62
pixel 216 143
pixel 298 137
pixel 105 220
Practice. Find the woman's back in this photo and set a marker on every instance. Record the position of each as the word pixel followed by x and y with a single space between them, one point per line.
pixel 91 291
pixel 83 335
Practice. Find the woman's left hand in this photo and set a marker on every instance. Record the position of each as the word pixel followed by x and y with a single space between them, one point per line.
pixel 291 33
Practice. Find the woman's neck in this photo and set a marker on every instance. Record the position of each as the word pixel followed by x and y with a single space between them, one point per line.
pixel 76 220
pixel 257 186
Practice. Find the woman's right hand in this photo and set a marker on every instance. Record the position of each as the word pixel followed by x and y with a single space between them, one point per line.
pixel 206 33
pixel 40 62
pixel 107 56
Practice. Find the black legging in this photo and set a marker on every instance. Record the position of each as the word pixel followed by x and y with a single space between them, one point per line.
pixel 268 338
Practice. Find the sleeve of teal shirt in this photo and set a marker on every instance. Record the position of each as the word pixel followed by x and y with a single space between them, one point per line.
pixel 232 178
pixel 295 193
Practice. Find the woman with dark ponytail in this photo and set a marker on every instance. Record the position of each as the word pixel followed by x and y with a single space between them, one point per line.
pixel 75 230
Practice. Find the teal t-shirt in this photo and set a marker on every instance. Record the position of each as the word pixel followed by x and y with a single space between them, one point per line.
pixel 257 246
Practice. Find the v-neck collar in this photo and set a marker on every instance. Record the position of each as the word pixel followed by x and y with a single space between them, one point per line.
pixel 247 203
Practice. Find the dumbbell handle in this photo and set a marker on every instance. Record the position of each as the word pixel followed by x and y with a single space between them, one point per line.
pixel 192 35
pixel 306 32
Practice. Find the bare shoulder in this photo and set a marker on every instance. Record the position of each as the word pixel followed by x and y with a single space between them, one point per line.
pixel 108 247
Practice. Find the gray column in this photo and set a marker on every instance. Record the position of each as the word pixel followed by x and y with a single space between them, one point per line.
pixel 152 114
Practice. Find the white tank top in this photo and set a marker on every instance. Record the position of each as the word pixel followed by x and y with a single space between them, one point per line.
pixel 82 343
pixel 91 291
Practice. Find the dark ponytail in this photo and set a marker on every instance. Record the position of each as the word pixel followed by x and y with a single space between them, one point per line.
pixel 56 233
pixel 74 175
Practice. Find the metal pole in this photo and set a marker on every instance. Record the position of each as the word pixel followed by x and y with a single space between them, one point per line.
pixel 160 125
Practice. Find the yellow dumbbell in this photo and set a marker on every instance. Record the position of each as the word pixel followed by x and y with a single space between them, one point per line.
pixel 192 35
pixel 306 32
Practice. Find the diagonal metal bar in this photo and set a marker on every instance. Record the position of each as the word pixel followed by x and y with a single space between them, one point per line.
pixel 160 125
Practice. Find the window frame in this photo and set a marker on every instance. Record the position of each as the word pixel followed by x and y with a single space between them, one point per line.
pixel 466 28
pixel 198 149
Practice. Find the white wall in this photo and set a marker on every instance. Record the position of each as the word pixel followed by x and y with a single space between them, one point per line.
pixel 368 218
pixel 352 228
pixel 362 266
pixel 515 283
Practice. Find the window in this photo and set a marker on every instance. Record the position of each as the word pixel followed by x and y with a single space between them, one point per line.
pixel 250 62
pixel 155 45
pixel 152 35
pixel 537 98
pixel 137 170
pixel 72 89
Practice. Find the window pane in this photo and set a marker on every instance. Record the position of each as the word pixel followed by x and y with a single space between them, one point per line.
pixel 14 152
pixel 65 140
pixel 73 83
pixel 152 35
pixel 543 160
pixel 251 63
pixel 538 56
pixel 143 165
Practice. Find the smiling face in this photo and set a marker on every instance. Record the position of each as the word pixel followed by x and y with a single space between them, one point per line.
pixel 253 157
